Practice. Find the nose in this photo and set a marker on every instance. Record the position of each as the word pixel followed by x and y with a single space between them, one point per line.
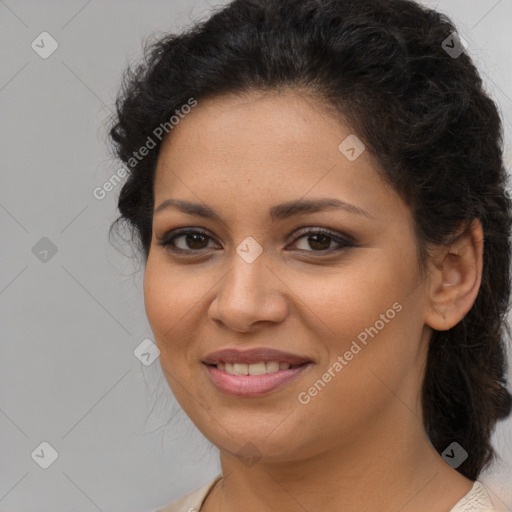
pixel 249 294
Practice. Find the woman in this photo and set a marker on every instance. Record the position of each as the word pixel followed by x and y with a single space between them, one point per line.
pixel 318 191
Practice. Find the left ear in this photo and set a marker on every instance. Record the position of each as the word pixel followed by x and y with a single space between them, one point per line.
pixel 455 277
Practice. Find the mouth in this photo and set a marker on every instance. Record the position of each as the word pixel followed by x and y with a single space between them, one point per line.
pixel 253 372
pixel 259 368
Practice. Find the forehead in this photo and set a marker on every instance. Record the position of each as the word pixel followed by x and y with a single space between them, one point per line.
pixel 263 148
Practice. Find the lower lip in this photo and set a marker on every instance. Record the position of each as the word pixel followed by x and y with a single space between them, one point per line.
pixel 252 385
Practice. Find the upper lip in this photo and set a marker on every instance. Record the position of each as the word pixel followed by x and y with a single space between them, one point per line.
pixel 254 355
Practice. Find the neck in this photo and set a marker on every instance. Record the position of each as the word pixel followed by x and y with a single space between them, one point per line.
pixel 389 468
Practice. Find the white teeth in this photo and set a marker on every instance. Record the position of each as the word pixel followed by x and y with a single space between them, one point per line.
pixel 240 369
pixel 257 369
pixel 260 368
pixel 272 366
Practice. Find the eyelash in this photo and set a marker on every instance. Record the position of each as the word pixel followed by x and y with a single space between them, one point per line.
pixel 168 239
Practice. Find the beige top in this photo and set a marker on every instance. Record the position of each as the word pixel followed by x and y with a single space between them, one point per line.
pixel 476 500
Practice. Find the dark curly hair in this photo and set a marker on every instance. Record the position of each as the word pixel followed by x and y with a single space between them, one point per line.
pixel 420 109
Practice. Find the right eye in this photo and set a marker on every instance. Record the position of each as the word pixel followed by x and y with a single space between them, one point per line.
pixel 193 241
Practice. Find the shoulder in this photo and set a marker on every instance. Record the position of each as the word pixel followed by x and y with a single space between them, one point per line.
pixel 191 502
pixel 476 500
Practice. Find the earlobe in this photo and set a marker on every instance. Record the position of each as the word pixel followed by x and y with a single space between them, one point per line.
pixel 454 278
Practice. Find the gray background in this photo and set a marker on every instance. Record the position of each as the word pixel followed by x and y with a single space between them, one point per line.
pixel 71 320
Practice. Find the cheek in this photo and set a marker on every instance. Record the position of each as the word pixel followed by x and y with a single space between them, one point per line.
pixel 361 382
pixel 169 300
pixel 170 296
pixel 345 301
pixel 160 299
pixel 370 319
pixel 169 303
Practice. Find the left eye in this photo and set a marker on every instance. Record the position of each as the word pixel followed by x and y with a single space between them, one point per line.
pixel 320 241
pixel 195 241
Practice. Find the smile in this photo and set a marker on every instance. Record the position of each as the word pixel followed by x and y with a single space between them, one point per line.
pixel 260 368
pixel 255 372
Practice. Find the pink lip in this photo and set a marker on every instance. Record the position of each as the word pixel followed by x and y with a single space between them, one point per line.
pixel 252 385
pixel 254 355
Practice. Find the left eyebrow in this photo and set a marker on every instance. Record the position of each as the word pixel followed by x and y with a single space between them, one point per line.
pixel 278 212
pixel 300 206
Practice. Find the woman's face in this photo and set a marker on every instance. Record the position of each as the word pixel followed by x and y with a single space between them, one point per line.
pixel 347 305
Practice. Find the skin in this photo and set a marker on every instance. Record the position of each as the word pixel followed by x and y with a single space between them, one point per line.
pixel 359 444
